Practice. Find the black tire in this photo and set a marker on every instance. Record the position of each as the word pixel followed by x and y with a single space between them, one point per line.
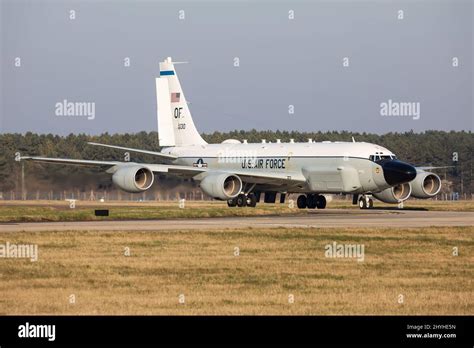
pixel 251 200
pixel 371 203
pixel 311 201
pixel 301 202
pixel 362 203
pixel 241 200
pixel 321 202
pixel 232 202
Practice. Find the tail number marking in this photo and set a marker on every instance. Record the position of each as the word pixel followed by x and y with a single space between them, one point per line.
pixel 177 112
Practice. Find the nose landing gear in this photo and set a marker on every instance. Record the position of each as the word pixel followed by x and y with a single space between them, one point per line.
pixel 365 202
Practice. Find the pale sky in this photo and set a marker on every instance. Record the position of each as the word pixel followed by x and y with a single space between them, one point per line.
pixel 283 62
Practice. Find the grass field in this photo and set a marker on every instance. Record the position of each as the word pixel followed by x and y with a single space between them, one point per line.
pixel 271 266
pixel 37 211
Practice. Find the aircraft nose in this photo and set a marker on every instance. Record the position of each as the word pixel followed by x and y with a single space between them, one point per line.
pixel 397 172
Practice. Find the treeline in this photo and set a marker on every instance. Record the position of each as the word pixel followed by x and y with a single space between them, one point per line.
pixel 436 148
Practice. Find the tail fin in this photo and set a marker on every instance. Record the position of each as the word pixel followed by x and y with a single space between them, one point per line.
pixel 175 124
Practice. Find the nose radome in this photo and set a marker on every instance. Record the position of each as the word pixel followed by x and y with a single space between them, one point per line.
pixel 396 172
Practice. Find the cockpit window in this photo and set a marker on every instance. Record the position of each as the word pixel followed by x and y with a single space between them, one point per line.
pixel 380 156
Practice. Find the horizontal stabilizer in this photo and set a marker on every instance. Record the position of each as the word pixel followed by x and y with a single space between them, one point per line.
pixel 153 153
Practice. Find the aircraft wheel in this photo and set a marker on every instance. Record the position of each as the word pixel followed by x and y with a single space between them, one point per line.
pixel 232 202
pixel 301 202
pixel 371 203
pixel 362 203
pixel 311 201
pixel 241 200
pixel 251 200
pixel 320 202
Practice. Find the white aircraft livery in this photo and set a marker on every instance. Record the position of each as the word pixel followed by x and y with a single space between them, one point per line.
pixel 240 172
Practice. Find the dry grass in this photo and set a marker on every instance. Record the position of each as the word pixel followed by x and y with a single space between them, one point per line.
pixel 37 211
pixel 273 263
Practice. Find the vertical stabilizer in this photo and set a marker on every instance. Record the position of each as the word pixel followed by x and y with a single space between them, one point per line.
pixel 175 124
pixel 165 120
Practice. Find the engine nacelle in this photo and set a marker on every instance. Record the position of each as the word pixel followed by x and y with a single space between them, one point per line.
pixel 425 185
pixel 221 186
pixel 395 194
pixel 133 178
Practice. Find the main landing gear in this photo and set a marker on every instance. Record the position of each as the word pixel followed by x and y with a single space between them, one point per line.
pixel 243 200
pixel 311 201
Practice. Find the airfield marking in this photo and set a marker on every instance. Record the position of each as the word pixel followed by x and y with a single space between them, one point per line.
pixel 315 219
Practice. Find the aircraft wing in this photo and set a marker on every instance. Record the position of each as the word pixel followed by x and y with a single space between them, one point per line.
pixel 188 171
pixel 71 161
pixel 270 178
pixel 432 168
pixel 248 177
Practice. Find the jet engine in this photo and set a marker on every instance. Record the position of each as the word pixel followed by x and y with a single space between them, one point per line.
pixel 221 185
pixel 425 185
pixel 395 194
pixel 133 178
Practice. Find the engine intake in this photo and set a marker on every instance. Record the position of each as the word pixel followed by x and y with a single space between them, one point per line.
pixel 426 185
pixel 133 179
pixel 221 186
pixel 395 194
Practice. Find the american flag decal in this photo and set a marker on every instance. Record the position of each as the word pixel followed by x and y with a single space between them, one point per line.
pixel 175 97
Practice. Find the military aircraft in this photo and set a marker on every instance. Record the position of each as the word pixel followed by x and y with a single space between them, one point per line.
pixel 240 172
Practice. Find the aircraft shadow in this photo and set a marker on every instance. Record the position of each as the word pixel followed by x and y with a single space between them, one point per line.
pixel 397 209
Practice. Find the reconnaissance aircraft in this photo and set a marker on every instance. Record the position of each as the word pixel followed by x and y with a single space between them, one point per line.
pixel 241 172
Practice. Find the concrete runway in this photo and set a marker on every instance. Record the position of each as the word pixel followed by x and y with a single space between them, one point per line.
pixel 315 219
